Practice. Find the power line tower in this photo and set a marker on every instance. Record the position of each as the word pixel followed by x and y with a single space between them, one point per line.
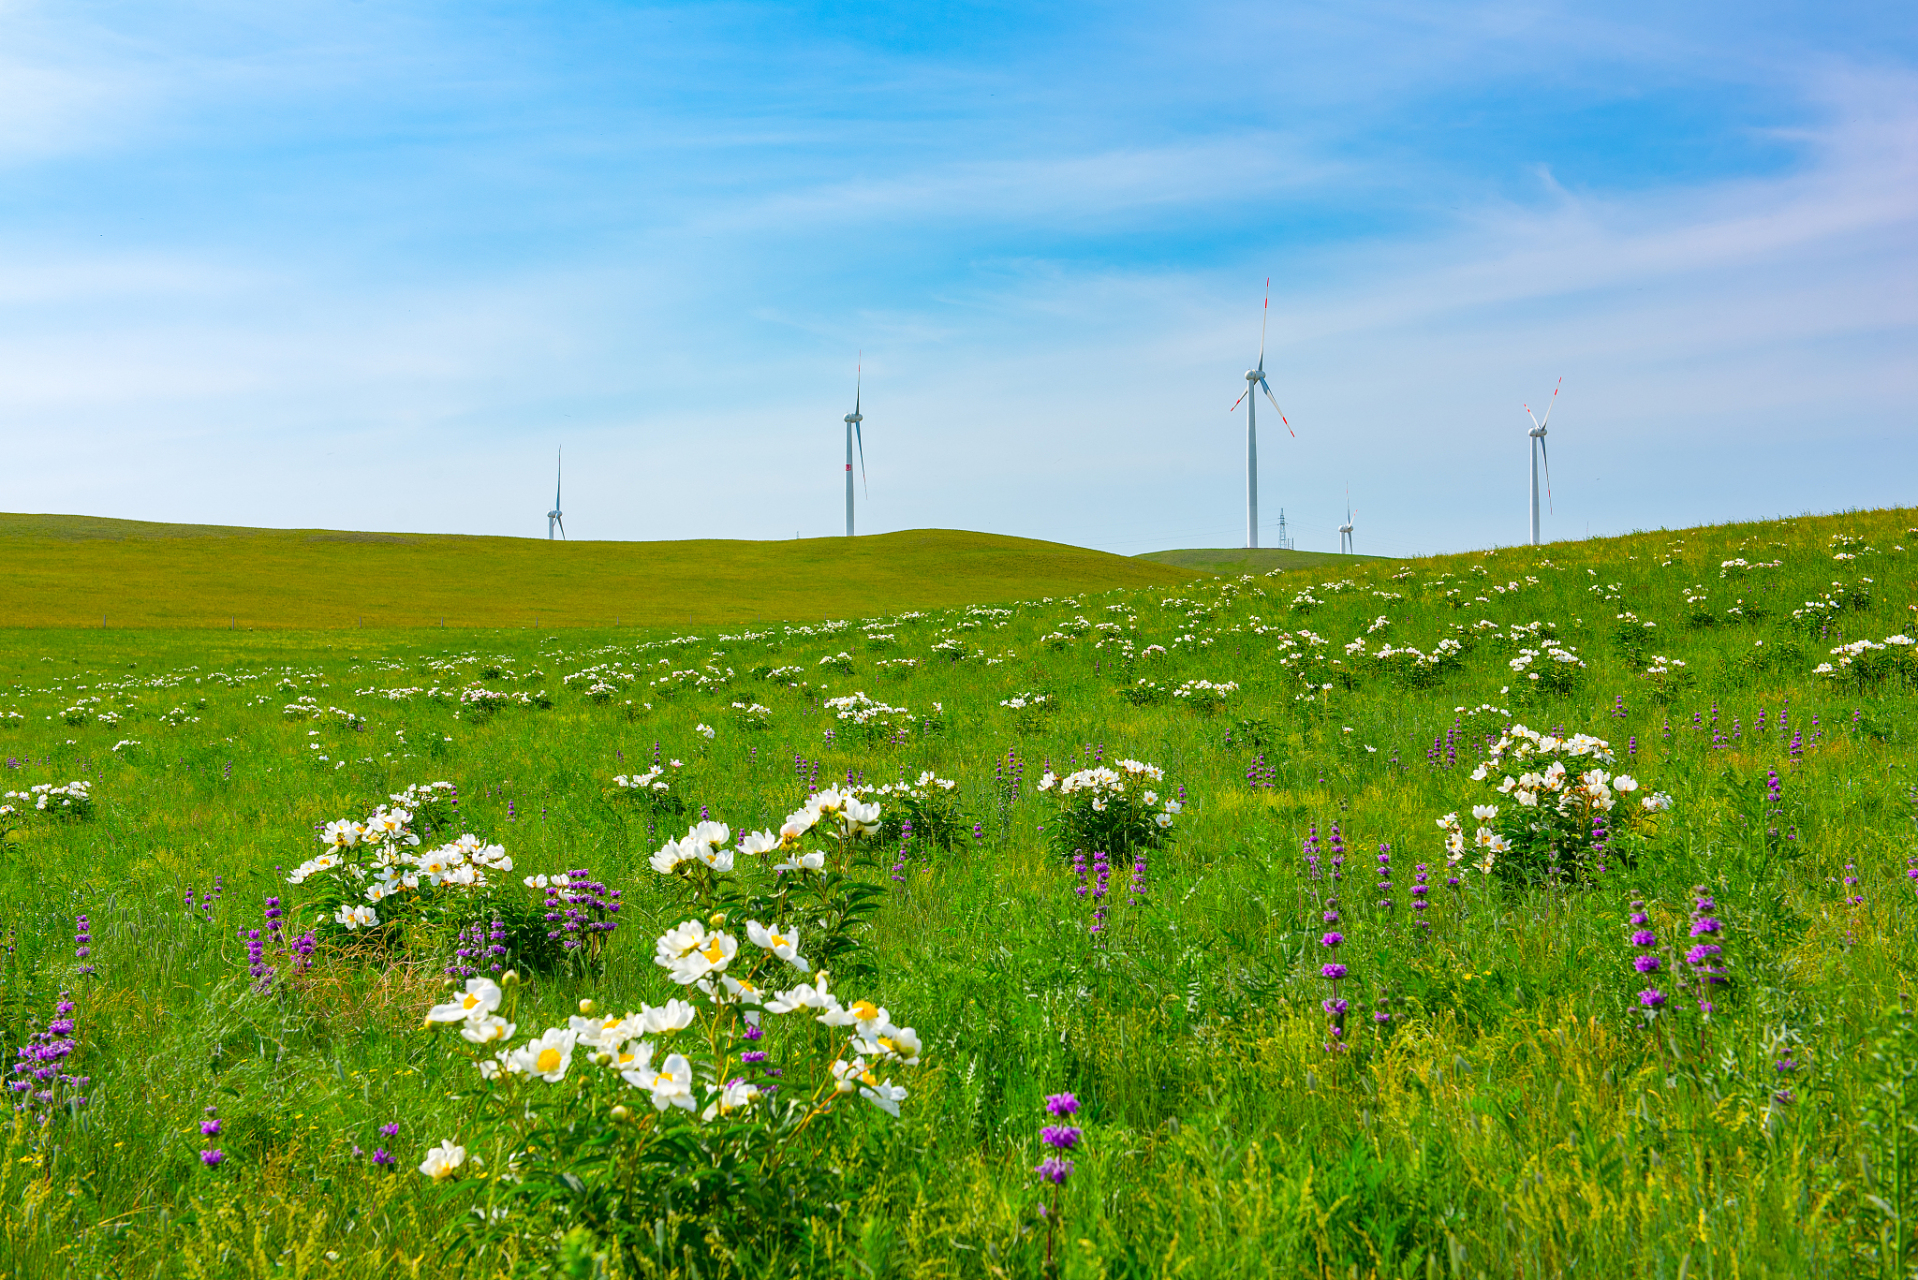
pixel 1283 541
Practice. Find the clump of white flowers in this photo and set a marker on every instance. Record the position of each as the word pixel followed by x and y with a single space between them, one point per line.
pixel 67 800
pixel 732 1065
pixel 866 717
pixel 1566 818
pixel 1114 810
pixel 373 870
pixel 1868 662
pixel 1205 696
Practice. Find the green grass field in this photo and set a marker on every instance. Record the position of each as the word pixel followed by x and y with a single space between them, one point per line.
pixel 78 571
pixel 1495 1097
pixel 1250 559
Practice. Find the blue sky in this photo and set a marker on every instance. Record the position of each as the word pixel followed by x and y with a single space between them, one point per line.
pixel 368 265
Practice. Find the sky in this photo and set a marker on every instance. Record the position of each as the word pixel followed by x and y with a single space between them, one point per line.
pixel 372 265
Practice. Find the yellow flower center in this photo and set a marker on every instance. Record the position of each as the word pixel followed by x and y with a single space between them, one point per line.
pixel 469 1001
pixel 714 953
pixel 778 941
pixel 548 1061
pixel 865 1010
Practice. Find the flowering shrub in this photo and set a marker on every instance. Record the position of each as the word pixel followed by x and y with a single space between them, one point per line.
pixel 1205 696
pixel 1868 662
pixel 372 877
pixel 72 801
pixel 1146 693
pixel 868 719
pixel 653 789
pixel 711 1114
pixel 825 875
pixel 925 809
pixel 751 715
pixel 1114 811
pixel 1668 678
pixel 1566 818
pixel 1030 711
pixel 1554 669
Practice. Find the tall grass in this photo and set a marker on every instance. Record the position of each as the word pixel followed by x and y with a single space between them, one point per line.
pixel 1517 1116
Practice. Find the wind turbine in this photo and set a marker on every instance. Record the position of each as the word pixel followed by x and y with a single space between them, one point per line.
pixel 1537 433
pixel 1256 378
pixel 853 420
pixel 1345 530
pixel 556 518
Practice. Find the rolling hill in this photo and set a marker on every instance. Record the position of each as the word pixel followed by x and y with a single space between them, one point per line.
pixel 80 571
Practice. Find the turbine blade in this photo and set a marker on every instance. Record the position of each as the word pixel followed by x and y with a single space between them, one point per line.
pixel 1531 415
pixel 562 527
pixel 1267 388
pixel 858 384
pixel 860 436
pixel 1239 401
pixel 1547 455
pixel 559 465
pixel 1264 311
pixel 1549 407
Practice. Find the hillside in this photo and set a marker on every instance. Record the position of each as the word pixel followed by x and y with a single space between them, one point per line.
pixel 76 571
pixel 1250 559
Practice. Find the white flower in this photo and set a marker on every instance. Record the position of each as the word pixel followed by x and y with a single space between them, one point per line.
pixel 1505 787
pixel 802 862
pixel 634 1062
pixel 442 1160
pixel 1624 782
pixel 669 856
pixel 885 1095
pixel 547 1057
pixel 1528 798
pixel 898 1042
pixel 342 833
pixel 1479 774
pixel 486 1029
pixel 481 997
pixel 868 1020
pixel 1656 801
pixel 674 1015
pixel 357 917
pixel 734 1096
pixel 803 996
pixel 759 842
pixel 1485 812
pixel 705 731
pixel 695 957
pixel 784 944
pixel 672 1085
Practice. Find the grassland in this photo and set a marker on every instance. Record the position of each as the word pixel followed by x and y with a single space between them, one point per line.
pixel 1250 559
pixel 77 571
pixel 1517 1114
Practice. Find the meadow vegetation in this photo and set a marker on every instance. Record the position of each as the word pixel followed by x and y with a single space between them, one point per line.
pixel 79 571
pixel 1543 912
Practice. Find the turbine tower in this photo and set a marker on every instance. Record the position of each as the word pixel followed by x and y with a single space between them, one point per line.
pixel 1537 433
pixel 1256 378
pixel 853 420
pixel 555 519
pixel 1345 530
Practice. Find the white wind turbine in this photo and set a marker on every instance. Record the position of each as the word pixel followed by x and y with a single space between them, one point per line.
pixel 555 519
pixel 853 420
pixel 1537 433
pixel 1256 378
pixel 1345 530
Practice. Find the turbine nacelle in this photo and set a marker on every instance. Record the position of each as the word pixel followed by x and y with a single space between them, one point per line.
pixel 855 418
pixel 1254 375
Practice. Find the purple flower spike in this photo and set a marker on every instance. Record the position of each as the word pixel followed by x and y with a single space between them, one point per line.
pixel 1061 1105
pixel 211 1159
pixel 1054 1170
pixel 1060 1137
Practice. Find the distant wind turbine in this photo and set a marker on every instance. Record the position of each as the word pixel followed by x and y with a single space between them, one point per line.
pixel 1345 530
pixel 1537 433
pixel 853 420
pixel 1256 378
pixel 555 519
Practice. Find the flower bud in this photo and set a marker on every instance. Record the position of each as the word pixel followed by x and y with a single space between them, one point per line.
pixel 621 1115
pixel 510 978
pixel 717 917
pixel 586 1008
